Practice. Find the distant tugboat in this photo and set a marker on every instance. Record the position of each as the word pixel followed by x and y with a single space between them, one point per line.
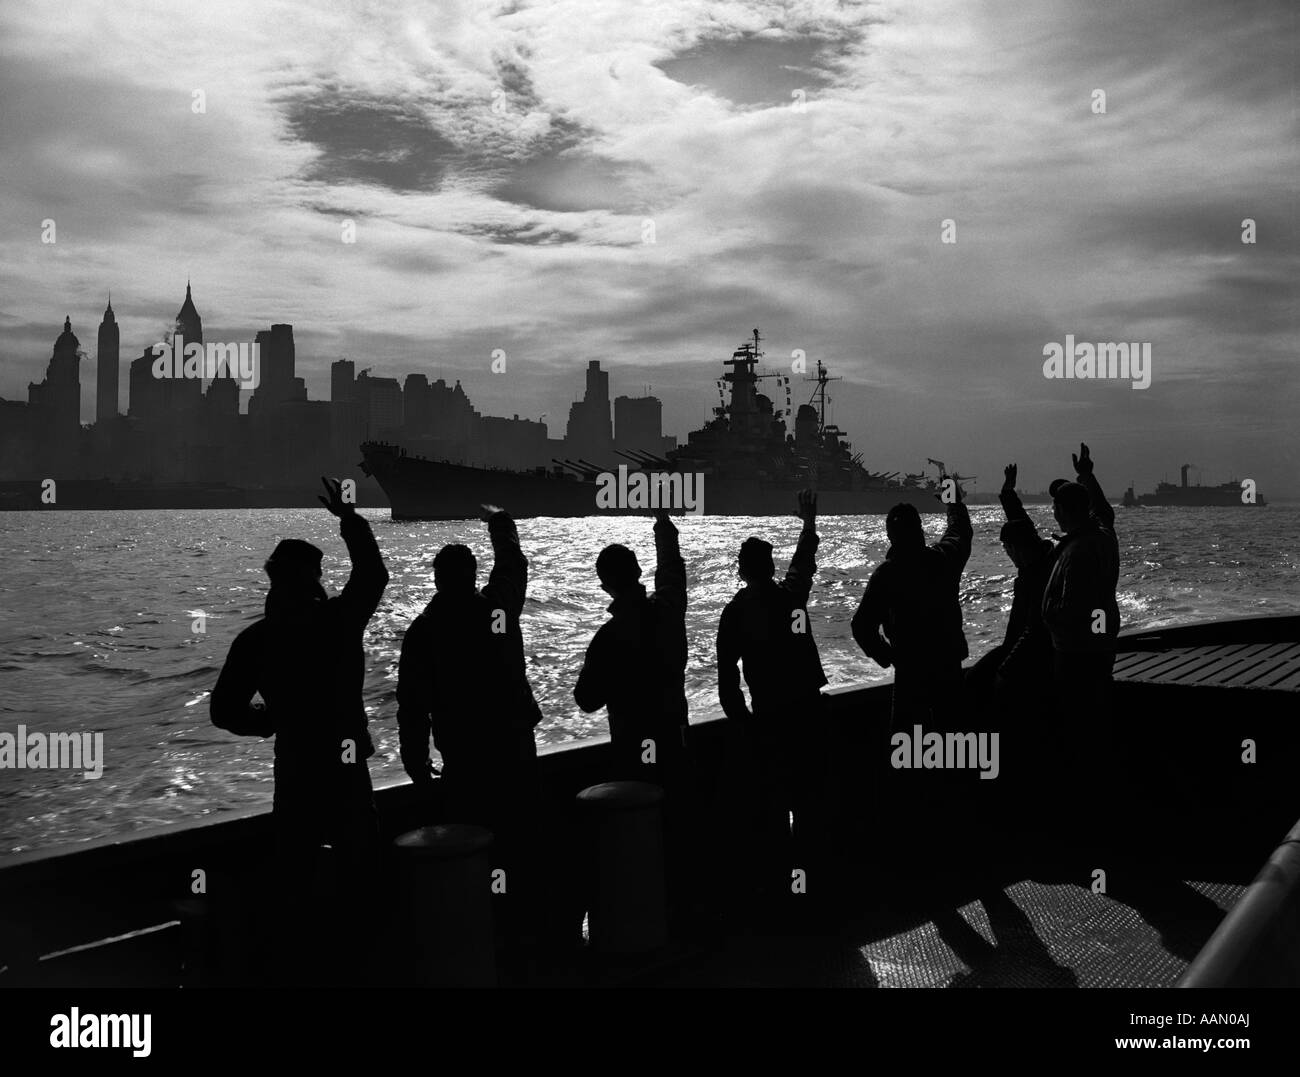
pixel 750 466
pixel 1230 494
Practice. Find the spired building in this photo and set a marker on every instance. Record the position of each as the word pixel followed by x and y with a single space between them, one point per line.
pixel 221 413
pixel 55 406
pixel 167 445
pixel 189 391
pixel 188 320
pixel 167 400
pixel 106 366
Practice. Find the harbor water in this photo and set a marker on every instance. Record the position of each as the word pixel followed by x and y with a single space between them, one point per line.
pixel 118 623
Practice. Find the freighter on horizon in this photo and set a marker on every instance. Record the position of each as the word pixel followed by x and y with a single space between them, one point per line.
pixel 1231 494
pixel 746 463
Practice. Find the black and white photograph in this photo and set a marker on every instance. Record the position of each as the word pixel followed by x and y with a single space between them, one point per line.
pixel 615 496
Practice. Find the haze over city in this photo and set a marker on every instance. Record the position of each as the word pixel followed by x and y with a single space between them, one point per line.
pixel 506 167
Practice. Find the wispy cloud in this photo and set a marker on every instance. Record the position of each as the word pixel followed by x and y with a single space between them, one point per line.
pixel 794 162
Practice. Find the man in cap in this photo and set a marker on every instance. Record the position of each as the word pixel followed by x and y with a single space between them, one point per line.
pixel 306 660
pixel 766 628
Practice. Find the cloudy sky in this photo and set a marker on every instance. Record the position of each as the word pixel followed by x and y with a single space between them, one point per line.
pixel 506 167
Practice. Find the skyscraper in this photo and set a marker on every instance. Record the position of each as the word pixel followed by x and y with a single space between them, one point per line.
pixel 381 406
pixel 107 366
pixel 590 433
pixel 188 320
pixel 343 375
pixel 187 393
pixel 277 385
pixel 347 420
pixel 417 407
pixel 56 403
pixel 638 423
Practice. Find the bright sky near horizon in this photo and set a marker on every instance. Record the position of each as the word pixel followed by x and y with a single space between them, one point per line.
pixel 794 163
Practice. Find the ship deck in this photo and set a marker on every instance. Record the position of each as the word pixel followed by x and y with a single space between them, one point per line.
pixel 1263 666
pixel 1024 934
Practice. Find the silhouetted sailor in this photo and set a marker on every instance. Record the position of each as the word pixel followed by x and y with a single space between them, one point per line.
pixel 305 658
pixel 766 627
pixel 462 678
pixel 1082 615
pixel 1022 662
pixel 912 597
pixel 635 665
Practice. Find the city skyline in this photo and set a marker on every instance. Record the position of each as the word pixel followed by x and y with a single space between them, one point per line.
pixel 504 172
pixel 231 415
pixel 93 395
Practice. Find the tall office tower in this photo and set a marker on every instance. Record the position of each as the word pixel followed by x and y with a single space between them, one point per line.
pixel 107 366
pixel 590 433
pixel 381 406
pixel 278 383
pixel 282 358
pixel 417 407
pixel 343 376
pixel 268 389
pixel 638 423
pixel 347 423
pixel 451 413
pixel 144 399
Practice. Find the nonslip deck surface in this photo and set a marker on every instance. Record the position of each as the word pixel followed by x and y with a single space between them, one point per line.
pixel 1268 666
pixel 1029 934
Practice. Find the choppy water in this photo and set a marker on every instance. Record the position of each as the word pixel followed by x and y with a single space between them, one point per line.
pixel 98 608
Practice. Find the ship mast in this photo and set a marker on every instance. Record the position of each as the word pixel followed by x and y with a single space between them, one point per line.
pixel 819 394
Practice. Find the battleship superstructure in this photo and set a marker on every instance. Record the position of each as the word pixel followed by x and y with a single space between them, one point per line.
pixel 751 465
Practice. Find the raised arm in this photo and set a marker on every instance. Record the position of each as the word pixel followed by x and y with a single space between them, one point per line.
pixel 1011 503
pixel 508 582
pixel 231 706
pixel 956 541
pixel 415 702
pixel 729 693
pixel 1100 507
pixel 803 566
pixel 369 576
pixel 670 569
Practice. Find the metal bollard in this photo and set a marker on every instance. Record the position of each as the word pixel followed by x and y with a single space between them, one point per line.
pixel 628 913
pixel 446 876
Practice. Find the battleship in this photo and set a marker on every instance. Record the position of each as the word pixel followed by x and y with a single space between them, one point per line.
pixel 744 458
pixel 1231 494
